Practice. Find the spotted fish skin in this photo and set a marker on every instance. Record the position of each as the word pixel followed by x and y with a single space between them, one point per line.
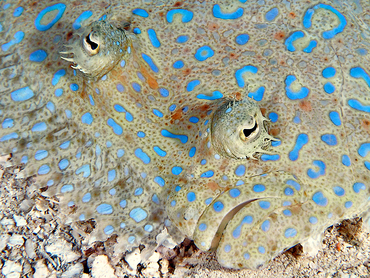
pixel 134 150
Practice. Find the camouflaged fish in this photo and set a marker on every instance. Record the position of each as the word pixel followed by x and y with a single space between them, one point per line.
pixel 244 125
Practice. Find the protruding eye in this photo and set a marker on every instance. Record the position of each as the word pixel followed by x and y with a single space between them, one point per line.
pixel 90 44
pixel 248 133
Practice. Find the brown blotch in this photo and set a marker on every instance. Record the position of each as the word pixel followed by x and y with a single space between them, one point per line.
pixel 186 71
pixel 213 26
pixel 279 35
pixel 177 114
pixel 263 111
pixel 177 4
pixel 305 105
pixel 238 96
pixel 366 124
pixel 151 80
pixel 213 185
pixel 274 131
pixel 292 15
pixel 69 35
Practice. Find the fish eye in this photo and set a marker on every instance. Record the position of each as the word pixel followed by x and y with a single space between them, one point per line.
pixel 90 44
pixel 248 133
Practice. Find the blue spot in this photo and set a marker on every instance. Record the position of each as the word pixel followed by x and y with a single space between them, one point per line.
pixel 273 117
pixel 65 145
pixel 186 15
pixel 120 109
pixel 275 143
pixel 215 95
pixel 202 227
pixel 355 104
pixel 56 78
pixel 50 106
pixel 108 230
pixel 177 188
pixel 123 203
pixel 227 248
pixel 41 154
pixel 194 120
pixel 41 126
pixel 295 184
pixel 208 201
pixel 218 206
pixel 242 39
pixel 131 239
pixel 157 113
pixel 104 209
pixel 155 199
pixel 183 138
pixel 142 156
pixel 328 72
pixel 261 249
pixel 239 74
pixel 335 118
pixel 265 225
pixel 141 134
pixel 153 38
pixel 38 56
pixel 312 174
pixel 138 191
pixel 159 180
pixel 192 84
pixel 137 31
pixel 219 14
pixel 85 169
pixel 240 170
pixel 234 192
pixel 18 37
pixel 63 164
pixel 117 129
pixel 120 88
pixel 302 93
pixel 138 214
pixel 203 53
pixel 163 92
pixel 313 220
pixel 192 151
pixel 361 51
pixel 329 88
pixel 58 92
pixel 203 161
pixel 246 256
pixel 310 46
pixel 269 157
pixel 178 64
pixel 85 15
pixel 111 175
pixel 358 72
pixel 18 12
pixel 66 188
pixel 290 232
pixel 346 161
pixel 302 140
pixel 329 139
pixel 87 118
pixel 182 39
pixel 287 212
pixel 44 27
pixel 22 94
pixel 191 196
pixel 348 204
pixel 43 170
pixel 8 123
pixel 148 228
pixel 259 188
pixel 292 38
pixel 150 62
pixel 112 191
pixel 319 199
pixel 272 14
pixel 367 164
pixel 86 198
pixel 136 87
pixel 140 12
pixel 207 174
pixel 73 87
pixel 159 151
pixel 176 170
pixel 264 204
pixel 258 94
pixel 358 186
pixel 364 149
pixel 247 220
pixel 288 191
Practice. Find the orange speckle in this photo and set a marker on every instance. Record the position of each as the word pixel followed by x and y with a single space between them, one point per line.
pixel 178 4
pixel 292 15
pixel 177 114
pixel 338 246
pixel 213 185
pixel 279 35
pixel 186 71
pixel 151 80
pixel 263 111
pixel 274 131
pixel 305 105
pixel 213 26
pixel 238 96
pixel 366 124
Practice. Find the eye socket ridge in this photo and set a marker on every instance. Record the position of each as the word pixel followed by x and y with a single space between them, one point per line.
pixel 91 46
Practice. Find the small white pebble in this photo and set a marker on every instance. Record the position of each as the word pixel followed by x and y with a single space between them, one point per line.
pixel 61 248
pixel 7 221
pixel 15 240
pixel 30 249
pixel 4 239
pixel 133 258
pixel 11 269
pixel 101 268
pixel 152 266
pixel 19 220
pixel 41 271
pixel 73 271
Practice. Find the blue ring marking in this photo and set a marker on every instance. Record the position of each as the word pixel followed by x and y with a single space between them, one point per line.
pixel 18 37
pixel 218 206
pixel 348 204
pixel 355 104
pixel 43 170
pixel 6 6
pixel 302 140
pixel 302 93
pixel 297 120
pixel 247 220
pixel 155 199
pixel 361 51
pixel 358 72
pixel 339 191
pixel 153 38
pixel 8 123
pixel 182 39
pixel 261 249
pixel 41 154
pixel 86 198
pixel 148 228
pixel 104 209
pixel 65 145
pixel 63 164
pixel 157 113
pixel 346 161
pixel 234 192
pixel 194 120
pixel 57 76
pixel 159 151
pixel 192 151
pixel 68 113
pixel 22 94
pixel 137 31
pixel 87 118
pixel 329 88
pixel 307 20
pixel 159 180
pixel 141 134
pixel 139 153
pixel 287 212
pixel 315 174
pixel 58 92
pixel 192 84
pixel 329 139
pixel 138 214
pixel 42 27
pixel 191 196
pixel 18 12
pixel 239 74
pixel 136 87
pixel 293 183
pixel 258 94
pixel 246 256
pixel 111 175
pixel 265 226
pixel 313 220
pixel 219 14
pixel 183 138
pixel 320 199
pixel 290 232
pixel 310 46
pixel 140 12
pixel 269 157
pixel 178 64
pixel 85 15
pixel 227 248
pixel 364 149
pixel 208 201
pixel 335 118
pixel 289 191
pixel 74 87
pixel 259 188
pixel 242 39
pixel 131 239
pixel 240 170
pixel 215 95
pixel 186 15
pixel 150 62
pixel 41 126
pixel 329 72
pixel 138 191
pixel 272 14
pixel 203 161
pixel 112 191
pixel 176 170
pixel 273 117
pixel 358 186
pixel 202 227
pixel 108 229
pixel 291 39
pixel 164 92
pixel 50 106
pixel 203 53
pixel 85 169
pixel 120 88
pixel 264 204
pixel 38 56
pixel 207 174
pixel 117 129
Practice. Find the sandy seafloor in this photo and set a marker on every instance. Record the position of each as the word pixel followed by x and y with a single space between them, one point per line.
pixel 34 243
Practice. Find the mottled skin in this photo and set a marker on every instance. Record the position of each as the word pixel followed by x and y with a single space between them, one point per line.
pixel 134 185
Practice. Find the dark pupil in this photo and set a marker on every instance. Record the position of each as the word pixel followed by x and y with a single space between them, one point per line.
pixel 92 44
pixel 248 132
